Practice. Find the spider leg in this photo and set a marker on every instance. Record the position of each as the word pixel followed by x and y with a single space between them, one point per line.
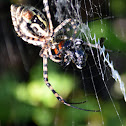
pixel 72 27
pixel 77 102
pixel 45 2
pixel 59 27
pixel 54 59
pixel 45 75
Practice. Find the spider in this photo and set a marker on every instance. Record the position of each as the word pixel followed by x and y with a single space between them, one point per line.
pixel 33 27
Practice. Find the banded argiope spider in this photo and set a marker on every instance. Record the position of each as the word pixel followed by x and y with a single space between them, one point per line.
pixel 32 26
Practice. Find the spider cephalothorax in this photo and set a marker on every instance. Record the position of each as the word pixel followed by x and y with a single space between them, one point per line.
pixel 33 27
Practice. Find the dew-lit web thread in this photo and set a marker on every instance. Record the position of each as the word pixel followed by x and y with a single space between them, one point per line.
pixel 83 29
pixel 76 9
pixel 84 87
pixel 94 90
pixel 91 12
pixel 74 71
pixel 59 15
pixel 105 83
pixel 73 121
pixel 72 11
pixel 107 60
pixel 96 95
pixel 107 87
pixel 82 76
pixel 115 74
pixel 76 13
pixel 91 7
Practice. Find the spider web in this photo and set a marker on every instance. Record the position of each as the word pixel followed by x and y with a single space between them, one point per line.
pixel 99 74
pixel 95 83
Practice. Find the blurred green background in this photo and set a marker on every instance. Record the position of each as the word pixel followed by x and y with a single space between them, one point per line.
pixel 24 98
